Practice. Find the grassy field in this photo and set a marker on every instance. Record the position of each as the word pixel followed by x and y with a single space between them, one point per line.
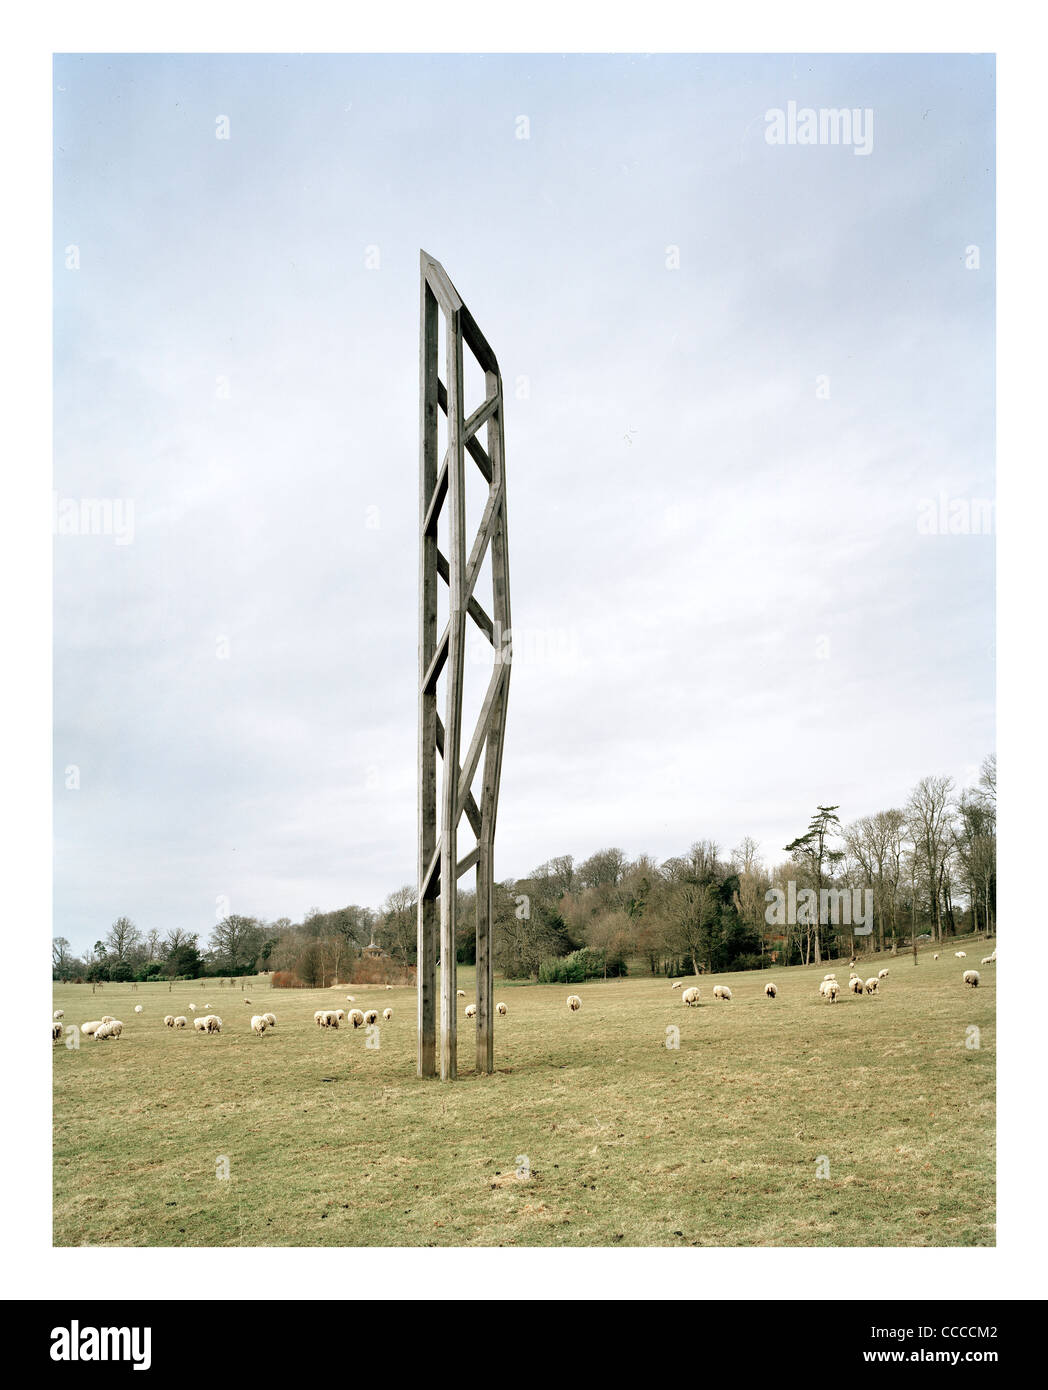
pixel 629 1142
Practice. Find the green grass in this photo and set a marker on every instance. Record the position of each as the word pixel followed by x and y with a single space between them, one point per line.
pixel 629 1142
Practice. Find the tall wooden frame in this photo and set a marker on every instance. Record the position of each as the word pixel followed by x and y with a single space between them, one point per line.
pixel 442 483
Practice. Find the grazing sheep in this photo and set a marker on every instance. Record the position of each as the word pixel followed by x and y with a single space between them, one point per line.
pixel 247 1001
pixel 329 1018
pixel 574 1003
pixel 986 960
pixel 500 1008
pixel 389 986
pixel 461 993
pixel 721 992
pixel 112 1029
pixel 676 984
pixel 356 1017
pixel 56 1031
pixel 371 1016
pixel 771 991
pixel 832 990
pixel 214 1023
pixel 192 1008
pixel 855 985
pixel 258 1024
pixel 169 1020
pixel 471 1010
pixel 318 1018
pixel 960 954
pixel 340 1014
pixel 936 956
pixel 271 1020
pixel 200 1024
pixel 971 979
pixel 871 985
pixel 58 1013
pixel 139 1009
pixel 882 974
pixel 88 1028
pixel 107 1018
pixel 691 996
pixel 387 1014
pixel 181 1021
pixel 350 999
pixel 830 977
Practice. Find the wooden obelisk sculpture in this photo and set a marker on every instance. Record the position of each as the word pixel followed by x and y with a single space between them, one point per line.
pixel 442 485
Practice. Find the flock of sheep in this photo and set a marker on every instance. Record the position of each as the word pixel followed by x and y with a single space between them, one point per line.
pixel 828 986
pixel 109 1027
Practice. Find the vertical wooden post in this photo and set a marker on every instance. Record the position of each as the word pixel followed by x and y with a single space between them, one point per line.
pixel 427 706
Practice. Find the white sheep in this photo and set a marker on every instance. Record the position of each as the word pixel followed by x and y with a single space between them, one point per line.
pixel 500 1008
pixel 971 979
pixel 181 1021
pixel 56 1031
pixel 461 993
pixel 169 1020
pixel 936 956
pixel 691 996
pixel 387 1014
pixel 676 984
pixel 112 1029
pixel 271 1020
pixel 350 999
pixel 370 1016
pixel 855 985
pixel 214 1024
pixel 58 1013
pixel 88 1028
pixel 871 985
pixel 340 1014
pixel 258 1024
pixel 139 1009
pixel 471 1010
pixel 830 989
pixel 770 990
pixel 107 1018
pixel 389 986
pixel 200 1024
pixel 318 1018
pixel 986 960
pixel 830 977
pixel 721 992
pixel 356 1018
pixel 882 974
pixel 574 1003
pixel 960 954
pixel 329 1018
pixel 192 1008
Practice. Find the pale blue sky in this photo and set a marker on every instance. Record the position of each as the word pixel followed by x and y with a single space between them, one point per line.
pixel 739 614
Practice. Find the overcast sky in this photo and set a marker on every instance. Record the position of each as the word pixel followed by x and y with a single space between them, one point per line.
pixel 727 604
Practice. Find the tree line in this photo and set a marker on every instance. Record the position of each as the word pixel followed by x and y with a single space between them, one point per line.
pixel 927 869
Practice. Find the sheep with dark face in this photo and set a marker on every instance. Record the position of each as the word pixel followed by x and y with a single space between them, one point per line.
pixel 574 1003
pixel 471 1010
pixel 356 1018
pixel 770 990
pixel 971 979
pixel 169 1020
pixel 56 1031
pixel 871 985
pixel 500 1008
pixel 181 1021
